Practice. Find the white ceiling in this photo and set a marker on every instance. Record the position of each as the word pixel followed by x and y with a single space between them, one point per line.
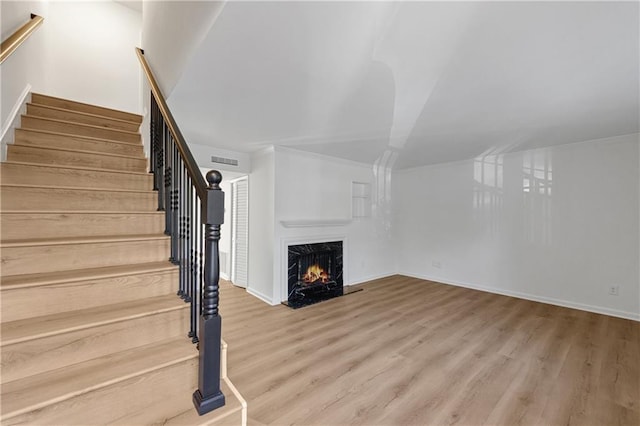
pixel 131 4
pixel 434 82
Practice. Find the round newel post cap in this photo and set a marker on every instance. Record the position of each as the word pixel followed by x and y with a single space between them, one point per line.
pixel 214 178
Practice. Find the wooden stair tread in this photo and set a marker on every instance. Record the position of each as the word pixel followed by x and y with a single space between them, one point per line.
pixel 33 328
pixel 18 225
pixel 73 188
pixel 74 136
pixel 83 151
pixel 34 392
pixel 86 158
pixel 233 405
pixel 65 212
pixel 36 197
pixel 64 166
pixel 41 279
pixel 80 124
pixel 79 212
pixel 130 116
pixel 81 113
pixel 32 137
pixel 29 121
pixel 81 240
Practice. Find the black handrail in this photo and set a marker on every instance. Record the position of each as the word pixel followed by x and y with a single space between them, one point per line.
pixel 194 211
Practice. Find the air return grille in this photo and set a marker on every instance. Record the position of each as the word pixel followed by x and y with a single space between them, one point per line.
pixel 222 160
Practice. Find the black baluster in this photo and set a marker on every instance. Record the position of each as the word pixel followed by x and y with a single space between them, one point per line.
pixel 208 396
pixel 159 124
pixel 187 236
pixel 158 175
pixel 179 207
pixel 167 183
pixel 175 238
pixel 194 260
pixel 183 242
pixel 174 206
pixel 198 269
pixel 152 136
pixel 190 256
pixel 181 229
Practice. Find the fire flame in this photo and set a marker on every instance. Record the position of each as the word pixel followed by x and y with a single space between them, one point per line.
pixel 315 273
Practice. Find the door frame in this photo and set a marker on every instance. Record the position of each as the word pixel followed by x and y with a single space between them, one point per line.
pixel 233 251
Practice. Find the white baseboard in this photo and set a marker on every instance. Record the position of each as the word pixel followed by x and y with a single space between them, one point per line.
pixel 224 276
pixel 261 296
pixel 535 298
pixel 13 119
pixel 370 278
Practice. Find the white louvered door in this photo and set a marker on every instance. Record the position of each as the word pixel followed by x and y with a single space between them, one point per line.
pixel 239 231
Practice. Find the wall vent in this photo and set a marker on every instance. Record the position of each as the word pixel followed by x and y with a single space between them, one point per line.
pixel 222 160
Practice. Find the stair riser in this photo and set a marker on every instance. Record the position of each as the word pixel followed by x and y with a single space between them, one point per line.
pixel 13 174
pixel 82 118
pixel 80 107
pixel 32 154
pixel 48 199
pixel 52 140
pixel 229 415
pixel 19 226
pixel 54 176
pixel 156 392
pixel 52 258
pixel 18 303
pixel 37 123
pixel 48 353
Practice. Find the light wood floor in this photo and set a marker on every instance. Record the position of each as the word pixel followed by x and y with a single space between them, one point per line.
pixel 407 351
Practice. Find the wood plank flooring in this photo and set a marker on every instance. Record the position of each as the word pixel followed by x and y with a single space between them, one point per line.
pixel 412 352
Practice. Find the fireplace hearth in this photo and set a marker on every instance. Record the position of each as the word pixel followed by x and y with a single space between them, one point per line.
pixel 314 273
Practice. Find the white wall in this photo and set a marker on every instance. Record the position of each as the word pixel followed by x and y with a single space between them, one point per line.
pixel 23 70
pixel 83 51
pixel 203 153
pixel 224 245
pixel 90 53
pixel 314 187
pixel 261 226
pixel 172 31
pixel 558 224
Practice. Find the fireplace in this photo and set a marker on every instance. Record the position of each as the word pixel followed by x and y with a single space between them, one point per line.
pixel 314 273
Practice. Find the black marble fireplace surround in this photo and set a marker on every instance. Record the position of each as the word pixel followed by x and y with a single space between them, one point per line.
pixel 314 273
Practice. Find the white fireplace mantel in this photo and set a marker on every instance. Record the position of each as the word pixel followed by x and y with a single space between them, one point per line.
pixel 310 223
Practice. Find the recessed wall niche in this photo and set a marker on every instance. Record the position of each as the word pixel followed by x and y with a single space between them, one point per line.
pixel 360 199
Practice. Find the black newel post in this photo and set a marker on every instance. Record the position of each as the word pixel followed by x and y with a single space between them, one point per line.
pixel 208 396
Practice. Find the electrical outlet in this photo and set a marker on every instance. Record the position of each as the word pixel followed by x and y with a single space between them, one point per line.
pixel 436 264
pixel 614 290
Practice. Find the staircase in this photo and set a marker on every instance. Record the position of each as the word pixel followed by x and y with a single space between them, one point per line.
pixel 92 329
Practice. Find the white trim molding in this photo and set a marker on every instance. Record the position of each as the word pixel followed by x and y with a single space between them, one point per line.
pixel 311 223
pixel 262 296
pixel 13 119
pixel 635 316
pixel 369 278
